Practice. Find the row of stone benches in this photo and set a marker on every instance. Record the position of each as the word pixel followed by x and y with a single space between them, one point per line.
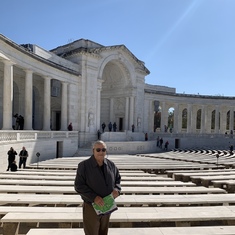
pixel 224 179
pixel 125 190
pixel 155 165
pixel 132 182
pixel 223 160
pixel 204 230
pixel 134 210
pixel 71 217
pixel 56 200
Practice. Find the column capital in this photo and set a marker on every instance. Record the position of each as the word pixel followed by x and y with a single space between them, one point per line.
pixel 6 60
pixel 28 71
pixel 46 77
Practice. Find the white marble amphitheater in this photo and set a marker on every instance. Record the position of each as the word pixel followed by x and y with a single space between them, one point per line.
pixel 86 83
pixel 189 189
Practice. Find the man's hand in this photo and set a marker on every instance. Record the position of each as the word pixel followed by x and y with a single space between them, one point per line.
pixel 115 193
pixel 99 201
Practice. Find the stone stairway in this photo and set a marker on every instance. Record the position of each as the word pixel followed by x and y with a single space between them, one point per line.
pixel 86 150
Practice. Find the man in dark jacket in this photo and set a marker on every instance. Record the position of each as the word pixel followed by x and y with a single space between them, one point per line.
pixel 97 177
pixel 11 157
pixel 23 157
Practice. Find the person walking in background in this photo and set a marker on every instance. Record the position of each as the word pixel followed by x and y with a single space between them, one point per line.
pixel 17 125
pixel 146 136
pixel 11 157
pixel 98 134
pixel 133 127
pixel 231 149
pixel 110 126
pixel 70 126
pixel 166 145
pixel 160 142
pixel 103 126
pixel 23 157
pixel 114 127
pixel 21 122
pixel 96 178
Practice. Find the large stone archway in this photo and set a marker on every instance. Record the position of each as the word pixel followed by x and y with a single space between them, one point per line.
pixel 115 89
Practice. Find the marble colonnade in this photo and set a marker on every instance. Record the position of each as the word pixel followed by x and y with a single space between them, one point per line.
pixel 224 113
pixel 8 72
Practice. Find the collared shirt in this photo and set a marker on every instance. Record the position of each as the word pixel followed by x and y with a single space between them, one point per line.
pixel 23 153
pixel 92 181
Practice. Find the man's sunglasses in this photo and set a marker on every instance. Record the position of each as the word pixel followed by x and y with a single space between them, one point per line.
pixel 99 149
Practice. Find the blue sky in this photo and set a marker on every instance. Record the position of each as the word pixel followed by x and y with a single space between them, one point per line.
pixel 186 44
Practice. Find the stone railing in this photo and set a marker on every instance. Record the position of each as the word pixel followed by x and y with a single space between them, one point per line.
pixel 9 136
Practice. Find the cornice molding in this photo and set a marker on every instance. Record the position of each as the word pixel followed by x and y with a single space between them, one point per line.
pixel 124 49
pixel 149 91
pixel 25 51
pixel 95 52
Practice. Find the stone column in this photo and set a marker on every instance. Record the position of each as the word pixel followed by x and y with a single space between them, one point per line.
pixel 151 117
pixel 163 116
pixel 111 111
pixel 223 120
pixel 206 108
pixel 28 113
pixel 176 119
pixel 131 121
pixel 47 104
pixel 203 120
pixel 231 119
pixel 208 119
pixel 98 100
pixel 127 113
pixel 64 107
pixel 189 119
pixel 217 119
pixel 180 110
pixel 193 119
pixel 7 95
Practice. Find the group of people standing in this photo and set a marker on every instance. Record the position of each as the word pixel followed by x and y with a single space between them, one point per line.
pixel 12 166
pixel 110 126
pixel 160 143
pixel 19 124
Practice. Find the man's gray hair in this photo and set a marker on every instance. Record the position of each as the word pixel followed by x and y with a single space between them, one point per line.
pixel 99 142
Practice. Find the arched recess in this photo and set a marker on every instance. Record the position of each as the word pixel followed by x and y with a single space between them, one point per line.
pixel 124 65
pixel 228 120
pixel 170 119
pixel 116 89
pixel 213 120
pixel 157 116
pixel 184 119
pixel 198 119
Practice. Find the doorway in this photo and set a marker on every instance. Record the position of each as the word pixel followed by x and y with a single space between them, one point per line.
pixel 59 149
pixel 120 124
pixel 55 120
pixel 177 143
